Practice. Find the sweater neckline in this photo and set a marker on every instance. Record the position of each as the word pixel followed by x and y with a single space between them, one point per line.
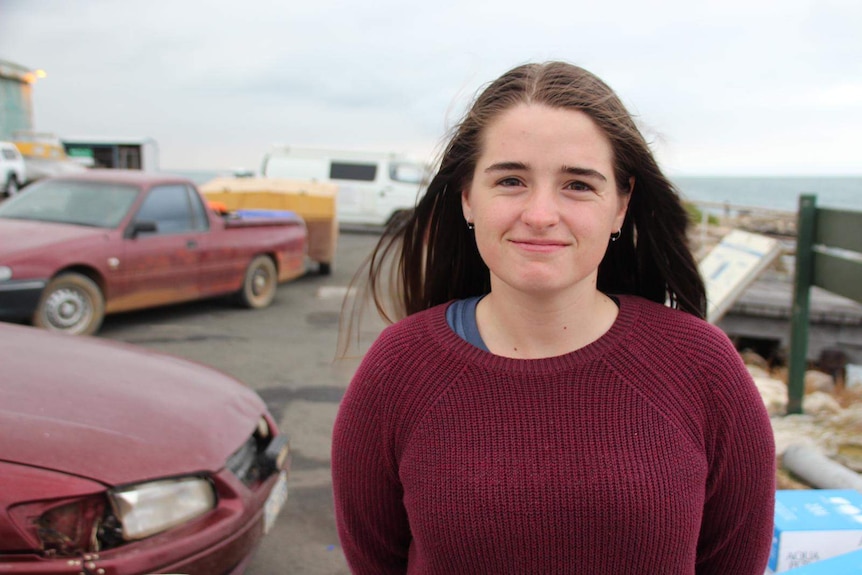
pixel 629 310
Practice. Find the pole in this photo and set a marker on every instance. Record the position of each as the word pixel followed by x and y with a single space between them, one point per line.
pixel 801 300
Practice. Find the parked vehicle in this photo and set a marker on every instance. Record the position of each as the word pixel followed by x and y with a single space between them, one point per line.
pixel 314 202
pixel 372 187
pixel 115 153
pixel 44 156
pixel 13 172
pixel 165 466
pixel 77 247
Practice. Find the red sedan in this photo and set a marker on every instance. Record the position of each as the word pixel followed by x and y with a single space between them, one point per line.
pixel 116 460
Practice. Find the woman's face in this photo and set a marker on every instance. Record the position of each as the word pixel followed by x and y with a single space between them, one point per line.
pixel 544 200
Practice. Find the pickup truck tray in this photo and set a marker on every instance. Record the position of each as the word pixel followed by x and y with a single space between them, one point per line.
pixel 313 202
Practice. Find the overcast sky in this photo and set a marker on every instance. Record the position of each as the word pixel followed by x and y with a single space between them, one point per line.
pixel 730 87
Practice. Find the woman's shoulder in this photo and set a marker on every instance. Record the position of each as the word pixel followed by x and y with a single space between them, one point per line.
pixel 419 328
pixel 407 366
pixel 411 341
pixel 666 322
pixel 669 351
pixel 669 334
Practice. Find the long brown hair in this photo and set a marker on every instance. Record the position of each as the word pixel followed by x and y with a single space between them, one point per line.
pixel 428 256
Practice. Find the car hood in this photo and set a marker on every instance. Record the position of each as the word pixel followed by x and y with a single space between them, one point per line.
pixel 24 235
pixel 115 413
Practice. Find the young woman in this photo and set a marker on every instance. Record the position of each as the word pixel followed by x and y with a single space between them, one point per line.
pixel 551 400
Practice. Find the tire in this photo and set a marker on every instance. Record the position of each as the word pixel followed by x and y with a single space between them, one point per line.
pixel 71 303
pixel 12 186
pixel 259 284
pixel 324 268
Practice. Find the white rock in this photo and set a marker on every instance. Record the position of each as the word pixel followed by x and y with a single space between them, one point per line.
pixel 774 394
pixel 818 381
pixel 756 371
pixel 792 429
pixel 819 403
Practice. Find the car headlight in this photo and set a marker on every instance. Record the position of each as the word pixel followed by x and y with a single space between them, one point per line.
pixel 5 273
pixel 148 508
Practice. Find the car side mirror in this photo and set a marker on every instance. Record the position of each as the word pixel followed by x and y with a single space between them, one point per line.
pixel 137 228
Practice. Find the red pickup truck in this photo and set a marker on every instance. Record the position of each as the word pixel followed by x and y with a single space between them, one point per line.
pixel 77 247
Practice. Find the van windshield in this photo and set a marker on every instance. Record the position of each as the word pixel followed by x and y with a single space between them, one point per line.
pixel 406 172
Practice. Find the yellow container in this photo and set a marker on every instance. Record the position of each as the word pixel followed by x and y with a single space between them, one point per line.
pixel 311 200
pixel 314 202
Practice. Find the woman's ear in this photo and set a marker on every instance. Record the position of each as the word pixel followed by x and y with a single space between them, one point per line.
pixel 465 204
pixel 624 203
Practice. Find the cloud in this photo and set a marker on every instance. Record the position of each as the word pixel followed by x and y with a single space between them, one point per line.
pixel 216 82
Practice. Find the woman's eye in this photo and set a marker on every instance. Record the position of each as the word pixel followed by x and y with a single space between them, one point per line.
pixel 579 187
pixel 509 182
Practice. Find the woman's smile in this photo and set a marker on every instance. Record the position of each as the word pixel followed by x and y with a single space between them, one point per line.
pixel 540 246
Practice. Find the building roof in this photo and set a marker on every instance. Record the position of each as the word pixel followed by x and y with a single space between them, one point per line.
pixel 12 71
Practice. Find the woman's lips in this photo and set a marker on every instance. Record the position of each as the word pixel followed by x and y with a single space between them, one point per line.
pixel 540 246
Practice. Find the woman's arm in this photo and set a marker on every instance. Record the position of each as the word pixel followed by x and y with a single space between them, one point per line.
pixel 371 519
pixel 736 533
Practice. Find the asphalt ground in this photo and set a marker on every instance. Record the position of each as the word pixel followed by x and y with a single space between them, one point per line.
pixel 287 353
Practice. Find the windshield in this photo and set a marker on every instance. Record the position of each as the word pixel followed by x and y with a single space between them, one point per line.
pixel 407 172
pixel 97 204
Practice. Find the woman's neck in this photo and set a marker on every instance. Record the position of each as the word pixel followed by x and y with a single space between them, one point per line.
pixel 517 325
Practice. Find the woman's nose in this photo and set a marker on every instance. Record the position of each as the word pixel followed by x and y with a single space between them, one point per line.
pixel 541 209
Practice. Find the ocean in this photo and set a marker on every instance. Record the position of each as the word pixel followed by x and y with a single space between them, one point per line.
pixel 774 193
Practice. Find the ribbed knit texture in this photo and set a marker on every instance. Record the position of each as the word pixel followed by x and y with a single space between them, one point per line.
pixel 646 452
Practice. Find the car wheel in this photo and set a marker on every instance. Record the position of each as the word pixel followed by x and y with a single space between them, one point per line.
pixel 71 303
pixel 324 268
pixel 12 186
pixel 259 285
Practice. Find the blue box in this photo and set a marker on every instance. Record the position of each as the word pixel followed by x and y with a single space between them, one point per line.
pixel 814 524
pixel 846 564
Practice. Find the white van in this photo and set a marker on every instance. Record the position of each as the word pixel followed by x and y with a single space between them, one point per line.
pixel 13 171
pixel 372 187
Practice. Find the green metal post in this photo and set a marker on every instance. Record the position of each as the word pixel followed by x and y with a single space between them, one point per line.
pixel 801 299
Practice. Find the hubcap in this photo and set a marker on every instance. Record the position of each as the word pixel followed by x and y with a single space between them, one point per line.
pixel 259 282
pixel 67 309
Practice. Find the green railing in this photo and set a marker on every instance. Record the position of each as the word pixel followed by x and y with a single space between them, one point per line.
pixel 828 255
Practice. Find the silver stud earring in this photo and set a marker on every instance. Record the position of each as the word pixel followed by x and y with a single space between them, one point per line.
pixel 470 225
pixel 616 235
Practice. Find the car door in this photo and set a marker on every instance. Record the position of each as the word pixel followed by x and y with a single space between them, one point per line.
pixel 222 255
pixel 161 252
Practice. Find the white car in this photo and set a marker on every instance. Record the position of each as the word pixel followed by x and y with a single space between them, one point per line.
pixel 13 173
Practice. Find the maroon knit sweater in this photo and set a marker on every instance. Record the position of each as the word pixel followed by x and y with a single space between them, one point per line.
pixel 646 452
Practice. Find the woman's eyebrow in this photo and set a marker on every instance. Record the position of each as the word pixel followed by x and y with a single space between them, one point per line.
pixel 521 166
pixel 506 167
pixel 585 172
